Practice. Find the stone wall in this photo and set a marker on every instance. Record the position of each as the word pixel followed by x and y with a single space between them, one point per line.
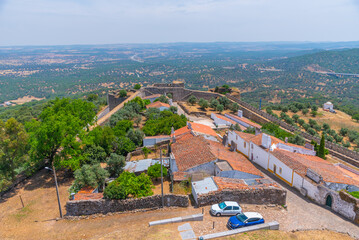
pixel 114 100
pixel 103 206
pixel 254 196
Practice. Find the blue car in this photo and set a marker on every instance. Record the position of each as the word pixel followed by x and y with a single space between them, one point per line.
pixel 244 219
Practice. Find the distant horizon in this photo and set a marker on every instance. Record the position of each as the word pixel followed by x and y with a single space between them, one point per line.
pixel 189 42
pixel 96 22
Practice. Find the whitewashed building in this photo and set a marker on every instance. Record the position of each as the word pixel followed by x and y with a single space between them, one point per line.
pixel 328 106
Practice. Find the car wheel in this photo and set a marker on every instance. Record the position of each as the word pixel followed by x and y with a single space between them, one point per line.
pixel 218 214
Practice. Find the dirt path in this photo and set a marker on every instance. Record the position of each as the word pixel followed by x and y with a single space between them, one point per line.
pixel 38 219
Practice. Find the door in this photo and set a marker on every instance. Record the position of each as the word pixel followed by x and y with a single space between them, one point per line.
pixel 252 156
pixel 274 168
pixel 227 210
pixel 329 201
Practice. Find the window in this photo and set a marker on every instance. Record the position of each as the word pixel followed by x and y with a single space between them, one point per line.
pixel 235 208
pixel 244 144
pixel 236 137
pixel 280 170
pixel 228 208
pixel 252 146
pixel 252 219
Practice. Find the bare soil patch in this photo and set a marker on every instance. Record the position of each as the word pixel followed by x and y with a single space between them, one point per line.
pixel 26 99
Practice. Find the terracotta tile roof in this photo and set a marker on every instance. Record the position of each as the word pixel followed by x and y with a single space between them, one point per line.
pixel 258 140
pixel 229 120
pixel 158 136
pixel 236 160
pixel 246 120
pixel 203 129
pixel 87 189
pixel 152 96
pixel 181 131
pixel 245 136
pixel 191 151
pixel 240 184
pixel 158 104
pixel 88 196
pixel 180 176
pixel 301 162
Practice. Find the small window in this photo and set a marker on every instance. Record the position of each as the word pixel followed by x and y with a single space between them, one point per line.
pixel 235 208
pixel 252 146
pixel 228 208
pixel 252 219
pixel 280 170
pixel 244 144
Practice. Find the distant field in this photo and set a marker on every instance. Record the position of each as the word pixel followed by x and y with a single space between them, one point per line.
pixel 26 99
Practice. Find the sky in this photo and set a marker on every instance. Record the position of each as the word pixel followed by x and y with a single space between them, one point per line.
pixel 63 22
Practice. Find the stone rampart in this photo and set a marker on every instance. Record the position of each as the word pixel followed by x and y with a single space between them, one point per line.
pixel 103 206
pixel 253 196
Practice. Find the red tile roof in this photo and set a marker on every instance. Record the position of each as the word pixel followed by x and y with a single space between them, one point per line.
pixel 203 129
pixel 236 160
pixel 246 120
pixel 258 140
pixel 232 183
pixel 229 120
pixel 88 196
pixel 181 131
pixel 191 151
pixel 180 176
pixel 245 136
pixel 152 96
pixel 158 104
pixel 301 162
pixel 158 136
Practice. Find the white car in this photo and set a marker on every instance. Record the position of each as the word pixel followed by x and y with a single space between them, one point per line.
pixel 226 208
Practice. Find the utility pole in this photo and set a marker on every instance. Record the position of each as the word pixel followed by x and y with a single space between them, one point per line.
pixel 57 188
pixel 163 203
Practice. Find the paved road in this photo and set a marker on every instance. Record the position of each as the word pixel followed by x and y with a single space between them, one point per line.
pixel 306 215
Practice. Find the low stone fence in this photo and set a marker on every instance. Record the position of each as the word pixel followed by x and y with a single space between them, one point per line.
pixel 257 196
pixel 103 206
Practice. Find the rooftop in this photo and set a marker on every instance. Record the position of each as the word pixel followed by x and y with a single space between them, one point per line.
pixel 202 129
pixel 158 104
pixel 246 120
pixel 236 160
pixel 245 136
pixel 229 120
pixel 204 186
pixel 158 136
pixel 301 162
pixel 152 96
pixel 191 151
pixel 258 140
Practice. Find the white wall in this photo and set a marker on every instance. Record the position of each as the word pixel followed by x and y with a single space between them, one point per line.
pixel 286 172
pixel 243 148
pixel 208 168
pixel 260 156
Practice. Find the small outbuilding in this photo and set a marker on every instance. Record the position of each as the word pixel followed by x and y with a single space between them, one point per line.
pixel 328 106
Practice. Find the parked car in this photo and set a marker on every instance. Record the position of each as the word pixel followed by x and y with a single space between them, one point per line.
pixel 244 219
pixel 226 208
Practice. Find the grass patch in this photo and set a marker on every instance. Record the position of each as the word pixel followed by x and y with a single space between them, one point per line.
pixel 355 194
pixel 24 212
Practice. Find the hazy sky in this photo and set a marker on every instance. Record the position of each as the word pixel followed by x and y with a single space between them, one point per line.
pixel 56 22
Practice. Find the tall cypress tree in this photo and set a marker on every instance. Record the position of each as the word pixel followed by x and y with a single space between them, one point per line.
pixel 321 150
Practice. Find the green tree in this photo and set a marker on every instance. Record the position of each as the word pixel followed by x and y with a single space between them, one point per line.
pixel 173 109
pixel 220 108
pixel 137 86
pixel 297 139
pixel 89 175
pixel 314 113
pixel 192 100
pixel 115 164
pixel 314 108
pixel 203 103
pixel 326 126
pixel 123 93
pixel 138 119
pixel 305 111
pixel 224 101
pixel 154 171
pixel 93 154
pixel 146 151
pixel 356 117
pixel 237 127
pixel 234 107
pixel 301 122
pixel 13 146
pixel 321 150
pixel 122 127
pixel 92 97
pixel 343 131
pixel 54 135
pixel 101 136
pixel 295 117
pixel 162 98
pixel 124 145
pixel 136 136
pixel 214 103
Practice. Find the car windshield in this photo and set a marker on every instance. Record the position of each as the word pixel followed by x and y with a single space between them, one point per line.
pixel 222 205
pixel 242 217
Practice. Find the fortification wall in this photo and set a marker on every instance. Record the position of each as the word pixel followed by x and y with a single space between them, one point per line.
pixel 254 196
pixel 103 206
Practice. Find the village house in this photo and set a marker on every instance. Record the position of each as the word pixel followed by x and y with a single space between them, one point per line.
pixel 298 166
pixel 153 140
pixel 222 121
pixel 159 105
pixel 245 122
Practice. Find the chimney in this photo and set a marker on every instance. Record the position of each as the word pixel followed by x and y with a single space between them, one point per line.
pixel 240 113
pixel 173 135
pixel 257 131
pixel 286 140
pixel 189 125
pixel 170 102
pixel 266 140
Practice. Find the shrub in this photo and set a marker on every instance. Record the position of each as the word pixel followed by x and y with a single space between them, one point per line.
pixel 311 131
pixel 346 144
pixel 326 126
pixel 162 98
pixel 123 93
pixel 305 111
pixel 353 135
pixel 115 164
pixel 93 176
pixel 314 113
pixel 146 151
pixel 314 108
pixel 234 107
pixel 92 97
pixel 295 117
pixel 214 103
pixel 137 86
pixel 224 101
pixel 136 136
pixel 299 140
pixel 284 109
pixel 128 184
pixel 154 171
pixel 192 100
pixel 93 154
pixel 301 122
pixel 343 131
pixel 173 109
pixel 220 108
pixel 203 103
